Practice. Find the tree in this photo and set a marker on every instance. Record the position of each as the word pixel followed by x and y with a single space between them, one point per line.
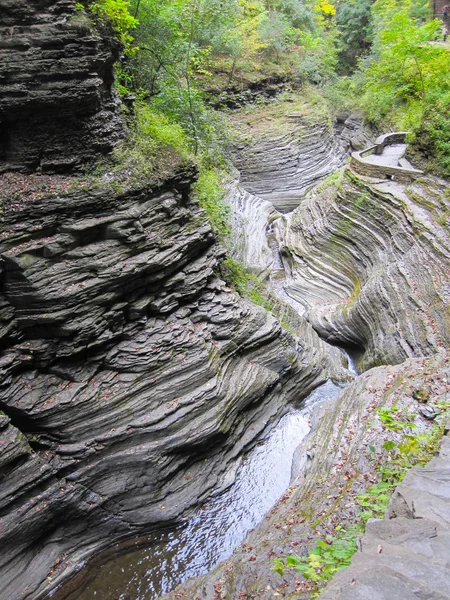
pixel 406 79
pixel 354 23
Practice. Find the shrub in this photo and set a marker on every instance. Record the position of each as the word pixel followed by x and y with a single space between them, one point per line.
pixel 210 192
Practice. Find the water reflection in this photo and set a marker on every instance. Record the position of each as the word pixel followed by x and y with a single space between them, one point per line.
pixel 217 528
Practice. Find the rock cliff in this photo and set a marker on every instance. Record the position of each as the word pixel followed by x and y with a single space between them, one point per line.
pixel 131 375
pixel 369 259
pixel 58 109
pixel 132 378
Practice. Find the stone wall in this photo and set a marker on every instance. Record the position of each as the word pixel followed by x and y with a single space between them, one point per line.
pixel 370 169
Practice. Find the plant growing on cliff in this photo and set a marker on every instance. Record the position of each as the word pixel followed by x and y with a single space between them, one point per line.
pixel 210 192
pixel 118 13
pixel 325 559
pixel 155 146
pixel 247 284
pixel 392 461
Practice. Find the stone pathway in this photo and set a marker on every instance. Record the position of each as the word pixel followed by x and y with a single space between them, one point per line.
pixel 405 556
pixel 391 157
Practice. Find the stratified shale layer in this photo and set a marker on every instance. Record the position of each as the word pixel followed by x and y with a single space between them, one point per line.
pixel 369 260
pixel 131 376
pixel 405 555
pixel 281 157
pixel 58 109
pixel 337 465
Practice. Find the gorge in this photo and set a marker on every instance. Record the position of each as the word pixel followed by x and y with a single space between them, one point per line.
pixel 134 379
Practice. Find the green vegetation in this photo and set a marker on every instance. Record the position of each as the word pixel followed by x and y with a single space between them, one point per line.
pixel 209 190
pixel 246 283
pixel 155 147
pixel 393 67
pixel 391 461
pixel 355 27
pixel 406 83
pixel 117 13
pixel 182 57
pixel 232 40
pixel 327 557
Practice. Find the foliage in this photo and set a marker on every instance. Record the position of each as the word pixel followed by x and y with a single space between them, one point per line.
pixel 198 37
pixel 158 131
pixel 325 559
pixel 246 283
pixel 389 417
pixel 432 135
pixel 209 190
pixel 155 144
pixel 117 12
pixel 334 552
pixel 354 23
pixel 406 83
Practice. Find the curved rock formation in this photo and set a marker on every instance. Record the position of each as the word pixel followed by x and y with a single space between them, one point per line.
pixel 250 219
pixel 281 158
pixel 369 261
pixel 132 376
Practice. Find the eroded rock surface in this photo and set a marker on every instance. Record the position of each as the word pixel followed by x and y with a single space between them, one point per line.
pixel 131 376
pixel 335 465
pixel 369 261
pixel 406 555
pixel 280 159
pixel 58 109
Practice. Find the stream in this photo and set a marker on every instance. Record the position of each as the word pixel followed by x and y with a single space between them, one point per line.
pixel 165 559
pixel 151 566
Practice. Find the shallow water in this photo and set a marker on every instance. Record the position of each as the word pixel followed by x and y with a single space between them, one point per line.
pixel 163 560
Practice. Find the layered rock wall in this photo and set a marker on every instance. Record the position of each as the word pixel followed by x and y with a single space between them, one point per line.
pixel 279 161
pixel 369 261
pixel 58 108
pixel 131 376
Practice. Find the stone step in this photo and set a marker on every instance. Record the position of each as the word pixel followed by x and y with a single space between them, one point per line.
pixel 405 556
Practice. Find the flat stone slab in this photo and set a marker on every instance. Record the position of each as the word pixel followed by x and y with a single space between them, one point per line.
pixel 391 156
pixel 407 555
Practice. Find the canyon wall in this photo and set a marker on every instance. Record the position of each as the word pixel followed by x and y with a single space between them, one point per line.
pixel 132 377
pixel 368 259
pixel 58 108
pixel 336 465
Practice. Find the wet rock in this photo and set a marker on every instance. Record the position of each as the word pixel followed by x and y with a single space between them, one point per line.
pixel 126 363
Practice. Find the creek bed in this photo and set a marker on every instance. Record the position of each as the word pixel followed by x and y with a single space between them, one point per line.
pixel 161 561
